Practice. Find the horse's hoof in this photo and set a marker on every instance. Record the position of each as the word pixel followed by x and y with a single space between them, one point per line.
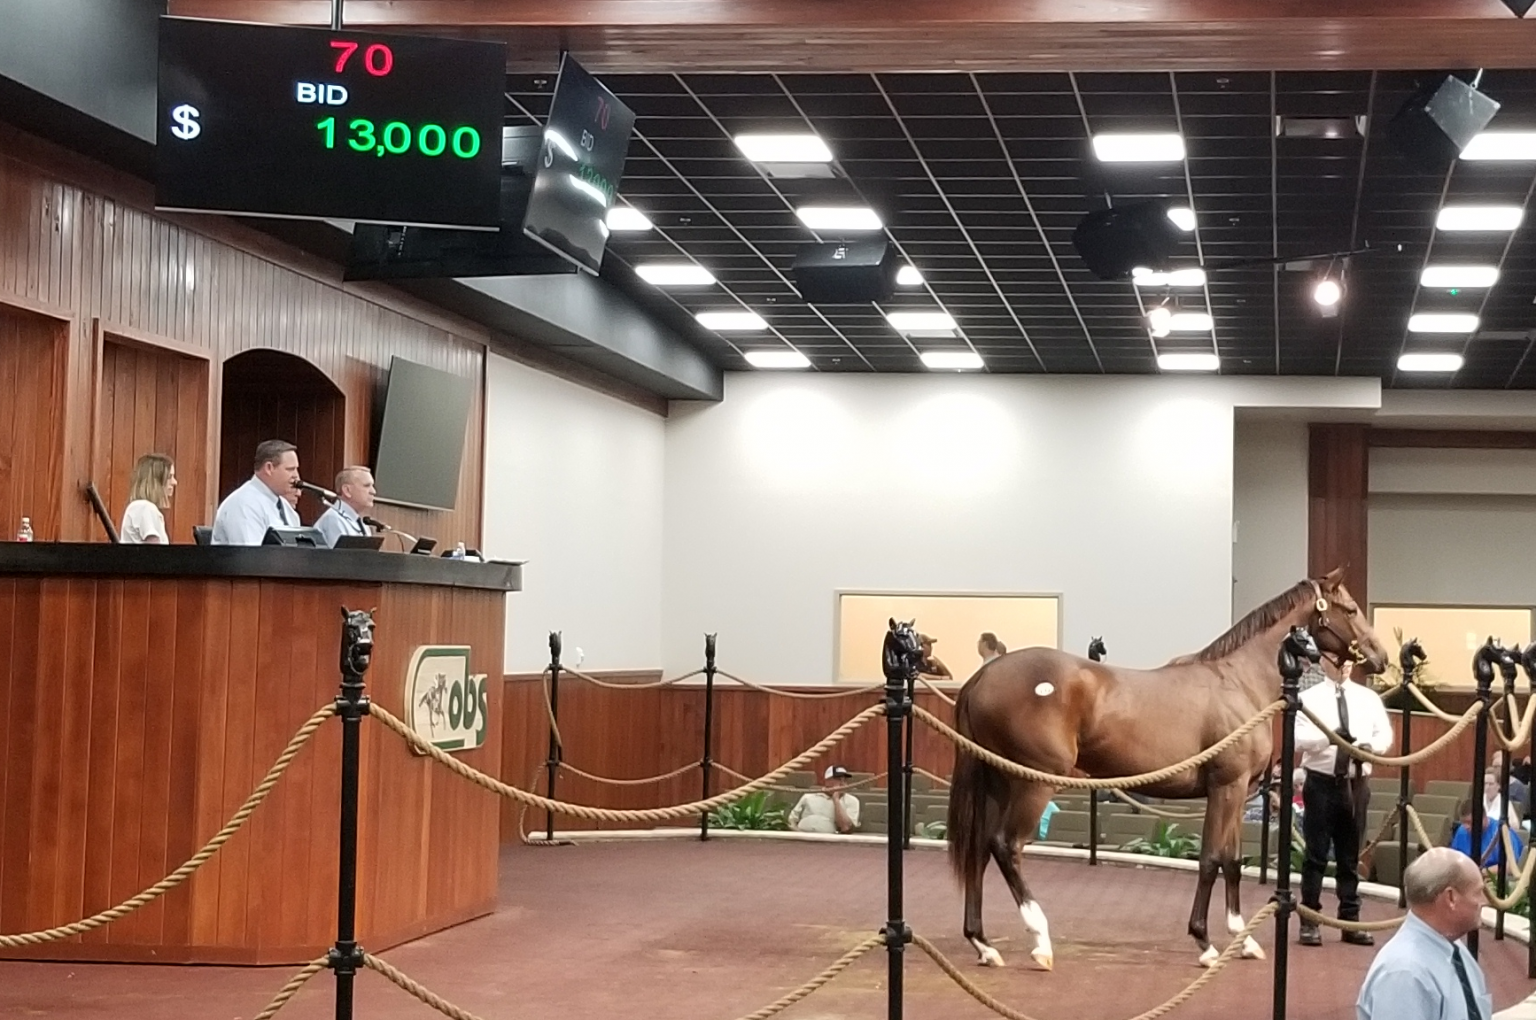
pixel 1252 950
pixel 990 958
pixel 1047 961
pixel 1209 957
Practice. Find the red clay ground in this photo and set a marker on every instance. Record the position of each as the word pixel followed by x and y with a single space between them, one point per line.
pixel 676 929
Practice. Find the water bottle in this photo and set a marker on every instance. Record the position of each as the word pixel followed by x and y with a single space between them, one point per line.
pixel 458 551
pixel 24 533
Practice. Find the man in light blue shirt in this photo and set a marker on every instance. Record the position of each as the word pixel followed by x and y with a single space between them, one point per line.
pixel 1423 973
pixel 354 492
pixel 246 514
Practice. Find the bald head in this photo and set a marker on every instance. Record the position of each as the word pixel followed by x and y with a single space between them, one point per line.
pixel 1444 888
pixel 355 486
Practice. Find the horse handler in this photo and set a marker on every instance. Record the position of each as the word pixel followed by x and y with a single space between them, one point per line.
pixel 1337 793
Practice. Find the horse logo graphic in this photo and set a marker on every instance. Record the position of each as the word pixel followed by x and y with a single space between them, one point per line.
pixel 446 703
pixel 435 702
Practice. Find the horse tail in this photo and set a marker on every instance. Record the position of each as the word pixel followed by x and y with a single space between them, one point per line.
pixel 967 828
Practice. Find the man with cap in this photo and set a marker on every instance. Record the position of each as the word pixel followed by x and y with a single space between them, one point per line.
pixel 829 810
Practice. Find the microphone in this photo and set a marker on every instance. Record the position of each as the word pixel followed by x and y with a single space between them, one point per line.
pixel 315 490
pixel 374 522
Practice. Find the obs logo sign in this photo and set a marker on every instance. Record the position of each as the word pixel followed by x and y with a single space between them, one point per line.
pixel 444 702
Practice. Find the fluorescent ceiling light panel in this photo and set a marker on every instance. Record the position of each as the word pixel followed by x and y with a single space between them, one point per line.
pixel 959 361
pixel 839 217
pixel 1183 361
pixel 1116 147
pixel 777 359
pixel 908 276
pixel 674 274
pixel 909 322
pixel 1509 146
pixel 1429 362
pixel 1445 277
pixel 628 219
pixel 1193 277
pixel 783 148
pixel 1479 217
pixel 729 321
pixel 1190 322
pixel 1183 217
pixel 1442 322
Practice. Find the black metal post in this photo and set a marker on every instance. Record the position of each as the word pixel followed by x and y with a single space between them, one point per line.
pixel 1482 670
pixel 555 751
pixel 336 15
pixel 1507 664
pixel 906 768
pixel 1093 827
pixel 345 958
pixel 1298 646
pixel 709 724
pixel 1408 657
pixel 900 673
pixel 1266 786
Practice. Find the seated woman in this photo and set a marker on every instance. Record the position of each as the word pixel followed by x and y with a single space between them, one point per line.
pixel 149 494
pixel 1493 838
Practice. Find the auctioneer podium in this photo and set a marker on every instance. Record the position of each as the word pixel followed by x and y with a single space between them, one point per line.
pixel 146 690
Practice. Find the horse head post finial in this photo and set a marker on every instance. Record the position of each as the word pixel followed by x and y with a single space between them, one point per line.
pixel 1483 661
pixel 901 654
pixel 356 652
pixel 1528 660
pixel 1509 667
pixel 1096 649
pixel 1409 656
pixel 1297 649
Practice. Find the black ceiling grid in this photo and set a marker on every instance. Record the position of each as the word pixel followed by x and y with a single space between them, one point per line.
pixel 981 179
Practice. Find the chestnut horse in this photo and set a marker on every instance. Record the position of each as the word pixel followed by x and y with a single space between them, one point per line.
pixel 1055 712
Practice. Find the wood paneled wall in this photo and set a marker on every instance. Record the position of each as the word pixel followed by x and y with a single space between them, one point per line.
pixel 34 355
pixel 82 243
pixel 1338 483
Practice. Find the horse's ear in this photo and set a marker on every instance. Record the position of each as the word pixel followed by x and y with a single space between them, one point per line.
pixel 893 623
pixel 1333 578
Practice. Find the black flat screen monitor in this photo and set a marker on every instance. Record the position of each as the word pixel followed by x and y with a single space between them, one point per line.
pixel 580 164
pixel 421 440
pixel 268 120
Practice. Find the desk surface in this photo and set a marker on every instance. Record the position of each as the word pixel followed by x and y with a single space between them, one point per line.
pixel 97 559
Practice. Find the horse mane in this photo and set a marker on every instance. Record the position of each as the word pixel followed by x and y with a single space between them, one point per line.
pixel 1252 625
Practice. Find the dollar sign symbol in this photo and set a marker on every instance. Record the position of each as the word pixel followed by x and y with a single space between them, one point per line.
pixel 186 127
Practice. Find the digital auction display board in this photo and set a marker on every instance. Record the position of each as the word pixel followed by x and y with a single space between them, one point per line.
pixel 321 124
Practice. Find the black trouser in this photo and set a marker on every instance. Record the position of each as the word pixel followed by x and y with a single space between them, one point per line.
pixel 1333 812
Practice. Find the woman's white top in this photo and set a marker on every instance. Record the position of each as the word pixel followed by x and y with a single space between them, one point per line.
pixel 141 521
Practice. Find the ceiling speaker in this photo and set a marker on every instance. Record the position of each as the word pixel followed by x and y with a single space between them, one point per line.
pixel 1438 121
pixel 846 273
pixel 1114 241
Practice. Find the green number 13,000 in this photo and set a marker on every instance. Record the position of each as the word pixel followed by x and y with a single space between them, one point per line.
pixel 397 138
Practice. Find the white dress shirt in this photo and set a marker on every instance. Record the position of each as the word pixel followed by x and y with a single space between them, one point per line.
pixel 141 521
pixel 246 514
pixel 340 520
pixel 1368 724
pixel 1414 978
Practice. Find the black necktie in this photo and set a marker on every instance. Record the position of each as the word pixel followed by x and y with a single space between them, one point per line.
pixel 1340 759
pixel 1474 1012
pixel 282 509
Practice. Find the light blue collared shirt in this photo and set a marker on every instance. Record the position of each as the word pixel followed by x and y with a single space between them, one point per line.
pixel 1413 978
pixel 340 520
pixel 246 514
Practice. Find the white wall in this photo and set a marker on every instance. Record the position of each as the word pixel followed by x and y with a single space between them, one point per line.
pixel 573 485
pixel 1116 493
pixel 1269 510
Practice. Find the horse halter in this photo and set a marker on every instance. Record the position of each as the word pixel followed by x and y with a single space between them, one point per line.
pixel 1355 653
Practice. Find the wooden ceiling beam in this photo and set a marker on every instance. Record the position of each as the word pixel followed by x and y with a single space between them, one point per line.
pixel 616 36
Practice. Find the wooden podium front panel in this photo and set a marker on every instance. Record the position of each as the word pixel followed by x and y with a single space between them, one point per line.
pixel 140 713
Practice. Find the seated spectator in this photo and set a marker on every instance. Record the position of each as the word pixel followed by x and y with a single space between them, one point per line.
pixel 1045 819
pixel 931 664
pixel 1494 806
pixel 1493 840
pixel 1519 794
pixel 830 810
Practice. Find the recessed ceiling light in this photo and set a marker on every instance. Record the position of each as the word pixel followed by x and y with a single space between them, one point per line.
pixel 1185 361
pixel 730 321
pixel 1183 217
pixel 839 217
pixel 960 361
pixel 1479 217
pixel 674 274
pixel 783 148
pixel 1320 127
pixel 1327 292
pixel 919 322
pixel 1193 277
pixel 777 359
pixel 908 276
pixel 1513 146
pixel 1127 147
pixel 1444 277
pixel 627 218
pixel 1442 322
pixel 1190 322
pixel 1430 363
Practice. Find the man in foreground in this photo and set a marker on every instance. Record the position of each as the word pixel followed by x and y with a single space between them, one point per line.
pixel 830 810
pixel 1423 972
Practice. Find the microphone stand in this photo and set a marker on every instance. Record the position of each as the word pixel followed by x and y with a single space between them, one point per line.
pixel 407 540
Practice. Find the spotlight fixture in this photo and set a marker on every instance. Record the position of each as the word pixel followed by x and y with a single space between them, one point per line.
pixel 1158 320
pixel 954 361
pixel 1430 362
pixel 1327 292
pixel 723 322
pixel 1188 361
pixel 777 359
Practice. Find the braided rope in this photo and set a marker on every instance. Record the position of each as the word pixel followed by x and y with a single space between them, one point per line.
pixel 197 860
pixel 1428 751
pixel 291 989
pixel 1144 779
pixel 1004 1010
pixel 801 789
pixel 549 711
pixel 1386 825
pixel 937 779
pixel 936 689
pixel 631 782
pixel 608 814
pixel 1314 917
pixel 1418 828
pixel 416 988
pixel 1522 884
pixel 1429 706
pixel 1153 809
pixel 785 692
pixel 611 685
pixel 1521 735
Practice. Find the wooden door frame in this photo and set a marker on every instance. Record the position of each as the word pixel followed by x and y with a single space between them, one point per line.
pixel 64 320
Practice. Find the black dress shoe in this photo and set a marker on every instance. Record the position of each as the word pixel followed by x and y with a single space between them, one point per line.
pixel 1310 936
pixel 1358 938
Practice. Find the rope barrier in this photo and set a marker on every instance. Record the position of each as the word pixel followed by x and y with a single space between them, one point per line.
pixel 1418 828
pixel 1004 1010
pixel 937 779
pixel 1153 809
pixel 611 685
pixel 197 860
pixel 1144 779
pixel 936 689
pixel 1428 751
pixel 416 988
pixel 1429 706
pixel 632 782
pixel 291 989
pixel 1308 914
pixel 784 692
pixel 1522 884
pixel 607 814
pixel 1523 734
pixel 857 784
pixel 549 710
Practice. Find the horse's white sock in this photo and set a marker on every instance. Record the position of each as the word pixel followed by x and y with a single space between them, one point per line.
pixel 1251 949
pixel 1034 920
pixel 989 957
